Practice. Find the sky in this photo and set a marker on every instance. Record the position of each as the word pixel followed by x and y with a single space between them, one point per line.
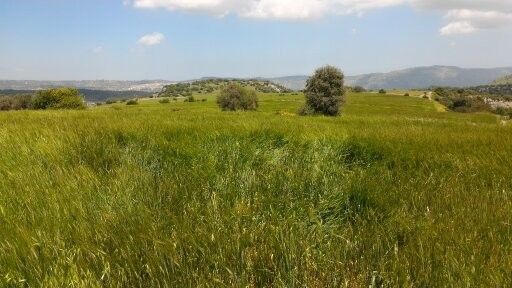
pixel 189 39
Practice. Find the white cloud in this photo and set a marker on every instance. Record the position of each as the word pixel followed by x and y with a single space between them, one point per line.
pixel 461 27
pixel 286 9
pixel 268 9
pixel 465 21
pixel 97 49
pixel 463 16
pixel 151 39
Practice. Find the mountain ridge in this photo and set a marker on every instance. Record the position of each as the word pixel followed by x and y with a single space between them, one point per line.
pixel 409 78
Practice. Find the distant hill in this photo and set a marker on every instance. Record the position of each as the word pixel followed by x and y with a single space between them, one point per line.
pixel 211 84
pixel 96 85
pixel 291 82
pixel 507 80
pixel 89 95
pixel 424 77
pixel 419 77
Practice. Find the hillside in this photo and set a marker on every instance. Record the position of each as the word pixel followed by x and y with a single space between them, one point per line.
pixel 507 80
pixel 96 85
pixel 418 77
pixel 89 95
pixel 291 82
pixel 210 85
pixel 424 77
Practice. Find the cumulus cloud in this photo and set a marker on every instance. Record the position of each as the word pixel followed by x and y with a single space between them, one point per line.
pixel 463 16
pixel 268 9
pixel 465 21
pixel 151 39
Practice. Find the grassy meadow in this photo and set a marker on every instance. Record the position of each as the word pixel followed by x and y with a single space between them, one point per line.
pixel 185 195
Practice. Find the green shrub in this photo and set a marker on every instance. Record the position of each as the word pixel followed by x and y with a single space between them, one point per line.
pixel 407 95
pixel 234 97
pixel 16 102
pixel 325 92
pixel 190 99
pixel 5 103
pixel 58 98
pixel 507 112
pixel 306 110
pixel 110 101
pixel 164 101
pixel 203 100
pixel 358 89
pixel 382 91
pixel 132 102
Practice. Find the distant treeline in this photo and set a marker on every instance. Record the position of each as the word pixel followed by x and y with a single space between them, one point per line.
pixel 475 99
pixel 503 91
pixel 89 95
pixel 213 85
pixel 58 98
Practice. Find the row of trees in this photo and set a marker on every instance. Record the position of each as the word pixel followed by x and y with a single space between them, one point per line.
pixel 325 93
pixel 58 98
pixel 212 85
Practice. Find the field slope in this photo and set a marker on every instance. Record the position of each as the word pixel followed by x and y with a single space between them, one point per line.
pixel 184 195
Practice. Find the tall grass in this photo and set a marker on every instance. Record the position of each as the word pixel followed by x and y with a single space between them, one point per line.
pixel 184 195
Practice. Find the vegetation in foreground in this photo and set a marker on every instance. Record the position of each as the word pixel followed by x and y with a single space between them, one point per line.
pixel 186 195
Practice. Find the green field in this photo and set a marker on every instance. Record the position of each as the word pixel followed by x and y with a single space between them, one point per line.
pixel 184 195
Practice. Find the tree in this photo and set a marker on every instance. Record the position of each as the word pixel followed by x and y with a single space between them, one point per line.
pixel 359 89
pixel 58 98
pixel 382 91
pixel 324 92
pixel 235 97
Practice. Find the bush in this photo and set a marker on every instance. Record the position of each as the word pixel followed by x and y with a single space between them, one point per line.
pixel 165 101
pixel 59 98
pixel 190 99
pixel 324 92
pixel 235 97
pixel 16 102
pixel 407 95
pixel 359 89
pixel 507 112
pixel 132 102
pixel 203 100
pixel 382 91
pixel 5 103
pixel 110 101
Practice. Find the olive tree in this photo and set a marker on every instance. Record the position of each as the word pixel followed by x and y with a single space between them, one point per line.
pixel 59 98
pixel 234 97
pixel 325 92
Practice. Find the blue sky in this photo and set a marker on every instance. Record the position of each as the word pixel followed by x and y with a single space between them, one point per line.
pixel 185 39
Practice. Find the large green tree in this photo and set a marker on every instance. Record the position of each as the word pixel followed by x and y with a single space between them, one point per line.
pixel 325 92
